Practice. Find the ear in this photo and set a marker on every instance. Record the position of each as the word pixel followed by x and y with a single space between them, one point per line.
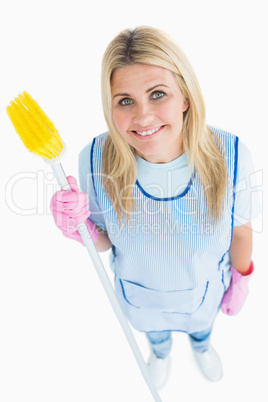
pixel 185 106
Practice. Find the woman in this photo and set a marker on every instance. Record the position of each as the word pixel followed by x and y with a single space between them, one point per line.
pixel 161 194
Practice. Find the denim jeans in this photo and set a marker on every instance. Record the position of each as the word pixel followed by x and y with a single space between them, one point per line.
pixel 162 341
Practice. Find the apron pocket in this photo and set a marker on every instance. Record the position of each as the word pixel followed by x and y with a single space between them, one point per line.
pixel 177 301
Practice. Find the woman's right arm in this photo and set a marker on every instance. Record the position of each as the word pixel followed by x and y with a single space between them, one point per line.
pixel 103 242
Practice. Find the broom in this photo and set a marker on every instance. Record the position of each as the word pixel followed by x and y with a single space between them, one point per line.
pixel 41 137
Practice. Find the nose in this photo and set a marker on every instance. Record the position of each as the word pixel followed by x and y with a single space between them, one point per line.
pixel 144 115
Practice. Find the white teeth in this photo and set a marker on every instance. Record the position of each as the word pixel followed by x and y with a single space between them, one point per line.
pixel 149 132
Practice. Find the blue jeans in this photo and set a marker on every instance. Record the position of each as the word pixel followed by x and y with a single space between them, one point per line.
pixel 162 341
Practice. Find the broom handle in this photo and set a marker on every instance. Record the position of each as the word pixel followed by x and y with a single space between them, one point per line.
pixel 63 182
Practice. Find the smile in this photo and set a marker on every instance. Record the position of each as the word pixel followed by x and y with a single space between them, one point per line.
pixel 148 133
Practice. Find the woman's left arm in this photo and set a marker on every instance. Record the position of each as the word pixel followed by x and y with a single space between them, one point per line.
pixel 241 248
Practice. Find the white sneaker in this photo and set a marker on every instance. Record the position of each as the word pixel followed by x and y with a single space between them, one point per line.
pixel 210 364
pixel 158 369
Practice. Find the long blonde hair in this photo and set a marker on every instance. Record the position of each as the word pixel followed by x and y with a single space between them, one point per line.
pixel 147 45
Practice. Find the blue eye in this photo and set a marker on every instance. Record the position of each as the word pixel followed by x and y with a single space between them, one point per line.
pixel 158 94
pixel 126 102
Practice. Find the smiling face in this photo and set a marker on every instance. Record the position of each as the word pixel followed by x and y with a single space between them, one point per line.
pixel 148 108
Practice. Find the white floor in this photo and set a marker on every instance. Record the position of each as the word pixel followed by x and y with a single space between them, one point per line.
pixel 59 338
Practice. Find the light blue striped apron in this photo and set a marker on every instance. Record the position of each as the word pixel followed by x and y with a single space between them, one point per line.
pixel 171 263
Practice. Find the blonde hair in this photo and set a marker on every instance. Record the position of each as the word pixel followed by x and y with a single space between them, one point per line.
pixel 147 45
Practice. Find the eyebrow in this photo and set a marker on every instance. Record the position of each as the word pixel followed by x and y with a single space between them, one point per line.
pixel 148 90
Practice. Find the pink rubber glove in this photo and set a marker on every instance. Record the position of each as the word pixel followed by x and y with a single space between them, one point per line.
pixel 235 296
pixel 69 208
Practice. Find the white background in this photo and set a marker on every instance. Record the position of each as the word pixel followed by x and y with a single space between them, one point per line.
pixel 59 338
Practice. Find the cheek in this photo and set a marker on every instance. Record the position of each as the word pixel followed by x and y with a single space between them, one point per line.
pixel 120 120
pixel 172 112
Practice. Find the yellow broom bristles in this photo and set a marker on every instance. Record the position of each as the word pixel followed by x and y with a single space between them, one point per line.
pixel 34 127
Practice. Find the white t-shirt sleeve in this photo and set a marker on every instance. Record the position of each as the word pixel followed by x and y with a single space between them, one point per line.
pixel 247 203
pixel 87 186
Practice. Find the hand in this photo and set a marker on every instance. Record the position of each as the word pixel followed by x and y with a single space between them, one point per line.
pixel 235 296
pixel 69 208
